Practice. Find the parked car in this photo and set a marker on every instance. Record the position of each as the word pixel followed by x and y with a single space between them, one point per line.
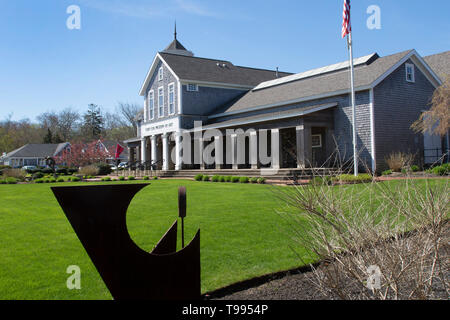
pixel 29 168
pixel 123 165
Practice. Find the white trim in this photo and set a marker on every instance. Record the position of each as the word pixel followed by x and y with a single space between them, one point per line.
pixel 180 98
pixel 192 84
pixel 151 106
pixel 431 76
pixel 159 102
pixel 291 115
pixel 151 71
pixel 314 72
pixel 161 73
pixel 413 75
pixel 216 84
pixel 317 146
pixel 171 85
pixel 372 130
pixel 293 101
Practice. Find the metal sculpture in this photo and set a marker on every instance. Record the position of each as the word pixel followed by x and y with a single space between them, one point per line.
pixel 98 216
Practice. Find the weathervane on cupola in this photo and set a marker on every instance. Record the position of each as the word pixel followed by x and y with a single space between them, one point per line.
pixel 175 47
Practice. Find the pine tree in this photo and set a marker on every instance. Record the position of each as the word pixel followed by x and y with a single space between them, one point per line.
pixel 93 122
pixel 48 138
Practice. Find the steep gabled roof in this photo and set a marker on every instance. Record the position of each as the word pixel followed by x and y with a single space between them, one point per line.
pixel 37 150
pixel 217 71
pixel 367 75
pixel 440 63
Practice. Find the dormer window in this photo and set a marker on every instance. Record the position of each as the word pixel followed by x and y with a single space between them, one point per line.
pixel 192 87
pixel 410 76
pixel 161 74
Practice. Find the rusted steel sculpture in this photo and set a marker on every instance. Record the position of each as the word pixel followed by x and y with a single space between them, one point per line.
pixel 98 216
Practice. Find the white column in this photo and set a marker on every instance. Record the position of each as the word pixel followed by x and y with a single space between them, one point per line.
pixel 234 151
pixel 154 154
pixel 253 149
pixel 165 141
pixel 218 147
pixel 275 148
pixel 201 144
pixel 178 149
pixel 143 150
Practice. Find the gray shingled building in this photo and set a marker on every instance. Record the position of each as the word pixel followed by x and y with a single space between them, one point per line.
pixel 301 119
pixel 33 154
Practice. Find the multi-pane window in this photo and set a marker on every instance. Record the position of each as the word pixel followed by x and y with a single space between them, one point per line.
pixel 161 74
pixel 192 87
pixel 151 105
pixel 161 102
pixel 410 77
pixel 171 98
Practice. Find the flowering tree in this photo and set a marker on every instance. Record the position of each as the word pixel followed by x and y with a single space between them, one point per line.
pixel 83 154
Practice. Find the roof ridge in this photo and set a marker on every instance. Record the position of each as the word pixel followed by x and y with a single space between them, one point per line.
pixel 194 57
pixel 263 69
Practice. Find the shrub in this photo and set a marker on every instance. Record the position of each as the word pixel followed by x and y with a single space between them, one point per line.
pixel 89 171
pixel 103 168
pixel 350 235
pixel 199 177
pixel 254 180
pixel 14 173
pixel 146 178
pixel 52 180
pixel 386 173
pixel 61 171
pixel 351 178
pixel 72 171
pixel 399 160
pixel 228 178
pixel 37 175
pixel 121 178
pixel 39 181
pixel 11 180
pixel 262 180
pixel 75 179
pixel 106 179
pixel 415 168
pixel 4 167
pixel 235 179
pixel 222 179
pixel 47 170
pixel 2 182
pixel 206 178
pixel 320 181
pixel 60 180
pixel 243 179
pixel 46 180
pixel 155 178
pixel 441 170
pixel 215 179
pixel 131 178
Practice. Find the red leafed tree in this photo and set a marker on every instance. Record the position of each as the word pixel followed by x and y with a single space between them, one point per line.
pixel 83 154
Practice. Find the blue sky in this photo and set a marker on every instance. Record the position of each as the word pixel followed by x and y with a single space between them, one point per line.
pixel 45 66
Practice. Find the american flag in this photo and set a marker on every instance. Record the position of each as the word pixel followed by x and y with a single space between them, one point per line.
pixel 346 25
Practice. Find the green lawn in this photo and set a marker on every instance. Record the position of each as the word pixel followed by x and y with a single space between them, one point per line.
pixel 242 236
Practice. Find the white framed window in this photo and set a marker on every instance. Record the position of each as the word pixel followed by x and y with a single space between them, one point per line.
pixel 161 102
pixel 192 87
pixel 161 74
pixel 410 76
pixel 171 98
pixel 316 141
pixel 151 105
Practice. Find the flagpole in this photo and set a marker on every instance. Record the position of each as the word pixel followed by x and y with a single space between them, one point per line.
pixel 352 86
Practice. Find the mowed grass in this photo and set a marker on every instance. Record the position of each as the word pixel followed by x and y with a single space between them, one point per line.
pixel 242 236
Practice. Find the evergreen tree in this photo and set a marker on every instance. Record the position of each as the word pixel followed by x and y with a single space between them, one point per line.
pixel 48 138
pixel 93 122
